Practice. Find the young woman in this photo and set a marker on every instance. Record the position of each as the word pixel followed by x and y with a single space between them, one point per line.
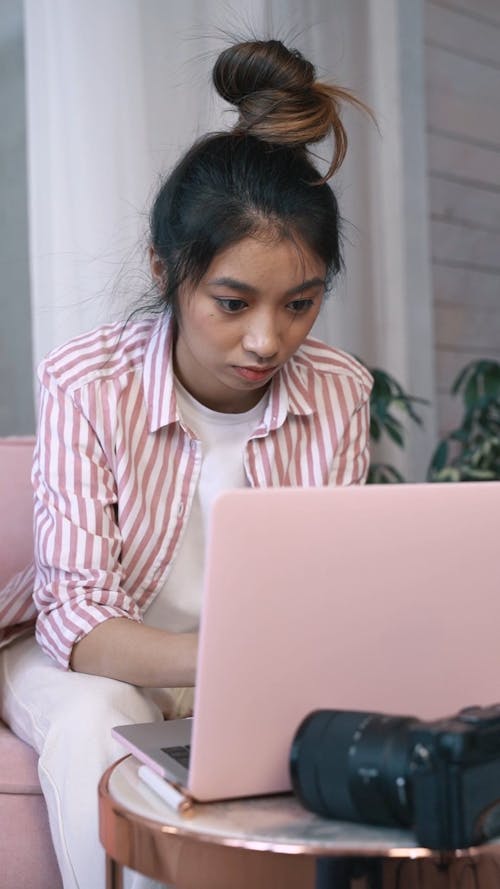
pixel 142 424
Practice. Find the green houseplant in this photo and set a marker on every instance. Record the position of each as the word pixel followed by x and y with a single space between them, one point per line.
pixel 471 452
pixel 387 400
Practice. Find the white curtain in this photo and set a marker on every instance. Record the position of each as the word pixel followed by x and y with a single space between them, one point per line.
pixel 87 157
pixel 117 89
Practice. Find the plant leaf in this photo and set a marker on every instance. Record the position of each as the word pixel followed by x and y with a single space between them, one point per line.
pixel 384 474
pixel 374 428
pixel 440 456
pixel 394 430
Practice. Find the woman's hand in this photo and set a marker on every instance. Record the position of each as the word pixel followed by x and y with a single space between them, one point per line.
pixel 132 652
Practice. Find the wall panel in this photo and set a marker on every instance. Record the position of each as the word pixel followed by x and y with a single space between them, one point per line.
pixel 462 203
pixel 462 50
pixel 462 34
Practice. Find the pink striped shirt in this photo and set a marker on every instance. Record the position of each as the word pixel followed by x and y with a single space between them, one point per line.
pixel 115 470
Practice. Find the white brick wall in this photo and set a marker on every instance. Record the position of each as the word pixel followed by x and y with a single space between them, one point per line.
pixel 462 52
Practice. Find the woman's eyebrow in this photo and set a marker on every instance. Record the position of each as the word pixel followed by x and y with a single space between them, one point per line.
pixel 243 287
pixel 306 285
pixel 234 284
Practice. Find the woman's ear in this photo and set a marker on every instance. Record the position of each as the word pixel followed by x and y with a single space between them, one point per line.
pixel 157 268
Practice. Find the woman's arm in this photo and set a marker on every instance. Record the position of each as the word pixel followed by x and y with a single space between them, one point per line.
pixel 132 652
pixel 87 618
pixel 352 458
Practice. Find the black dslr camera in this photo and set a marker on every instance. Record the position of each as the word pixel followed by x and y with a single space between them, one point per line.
pixel 442 778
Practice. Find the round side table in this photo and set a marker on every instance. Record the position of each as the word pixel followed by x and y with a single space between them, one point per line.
pixel 260 843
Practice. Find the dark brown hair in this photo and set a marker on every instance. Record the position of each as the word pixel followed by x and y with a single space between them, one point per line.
pixel 259 176
pixel 279 99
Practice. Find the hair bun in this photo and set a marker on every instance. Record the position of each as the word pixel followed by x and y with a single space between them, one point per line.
pixel 258 66
pixel 278 98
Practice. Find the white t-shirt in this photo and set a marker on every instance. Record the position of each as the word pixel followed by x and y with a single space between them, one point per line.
pixel 223 437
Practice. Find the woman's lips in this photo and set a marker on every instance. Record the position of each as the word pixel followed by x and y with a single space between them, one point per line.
pixel 254 374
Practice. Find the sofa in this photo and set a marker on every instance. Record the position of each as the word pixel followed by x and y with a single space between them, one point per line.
pixel 27 858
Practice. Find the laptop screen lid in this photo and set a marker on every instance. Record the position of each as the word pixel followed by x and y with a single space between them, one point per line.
pixel 382 598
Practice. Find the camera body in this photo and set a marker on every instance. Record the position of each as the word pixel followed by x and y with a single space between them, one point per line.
pixel 440 777
pixel 455 778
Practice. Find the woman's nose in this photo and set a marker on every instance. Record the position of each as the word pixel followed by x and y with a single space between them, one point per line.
pixel 262 339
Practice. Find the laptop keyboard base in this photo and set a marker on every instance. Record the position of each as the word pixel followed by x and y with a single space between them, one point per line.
pixel 180 754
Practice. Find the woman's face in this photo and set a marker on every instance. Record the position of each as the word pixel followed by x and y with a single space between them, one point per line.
pixel 248 315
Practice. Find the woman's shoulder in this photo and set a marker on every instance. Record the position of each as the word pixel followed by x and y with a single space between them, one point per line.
pixel 330 361
pixel 104 352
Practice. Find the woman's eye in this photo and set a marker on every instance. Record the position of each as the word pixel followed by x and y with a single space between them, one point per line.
pixel 230 305
pixel 300 306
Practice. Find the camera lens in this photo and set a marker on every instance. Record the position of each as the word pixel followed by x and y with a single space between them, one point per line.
pixel 354 766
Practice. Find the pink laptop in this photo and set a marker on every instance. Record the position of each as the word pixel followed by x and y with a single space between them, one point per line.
pixel 383 598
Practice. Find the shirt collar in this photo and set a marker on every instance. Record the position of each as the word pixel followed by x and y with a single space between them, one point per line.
pixel 158 379
pixel 291 391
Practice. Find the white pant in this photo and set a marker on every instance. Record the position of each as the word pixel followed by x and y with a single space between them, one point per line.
pixel 67 717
